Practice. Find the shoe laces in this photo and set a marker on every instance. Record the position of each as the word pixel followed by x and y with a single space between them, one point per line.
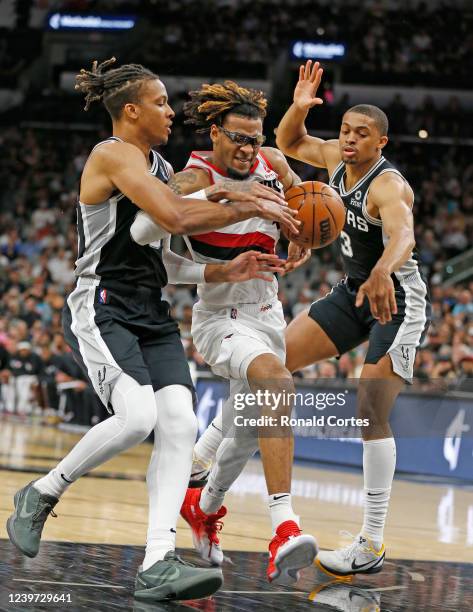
pixel 179 559
pixel 42 514
pixel 213 525
pixel 348 551
pixel 283 533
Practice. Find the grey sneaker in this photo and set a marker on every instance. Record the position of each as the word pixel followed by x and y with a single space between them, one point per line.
pixel 173 578
pixel 26 524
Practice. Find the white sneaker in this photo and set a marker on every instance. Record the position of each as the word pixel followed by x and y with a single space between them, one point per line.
pixel 346 598
pixel 360 557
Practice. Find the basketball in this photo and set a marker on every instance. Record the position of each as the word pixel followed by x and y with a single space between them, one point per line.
pixel 321 211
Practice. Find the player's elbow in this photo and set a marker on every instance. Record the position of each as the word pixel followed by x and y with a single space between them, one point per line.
pixel 283 144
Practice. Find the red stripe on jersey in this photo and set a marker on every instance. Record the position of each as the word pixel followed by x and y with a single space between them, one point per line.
pixel 237 240
pixel 268 163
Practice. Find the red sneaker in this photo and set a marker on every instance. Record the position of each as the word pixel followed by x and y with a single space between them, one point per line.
pixel 289 551
pixel 205 527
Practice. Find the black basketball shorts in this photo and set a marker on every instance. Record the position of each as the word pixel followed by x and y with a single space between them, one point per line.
pixel 129 331
pixel 348 326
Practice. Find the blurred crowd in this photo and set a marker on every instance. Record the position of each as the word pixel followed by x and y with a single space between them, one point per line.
pixel 39 172
pixel 387 41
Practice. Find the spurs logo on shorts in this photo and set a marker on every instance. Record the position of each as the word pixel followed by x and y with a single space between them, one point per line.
pixel 405 355
pixel 101 379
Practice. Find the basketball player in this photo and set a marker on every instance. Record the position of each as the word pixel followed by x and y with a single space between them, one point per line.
pixel 383 298
pixel 121 331
pixel 239 327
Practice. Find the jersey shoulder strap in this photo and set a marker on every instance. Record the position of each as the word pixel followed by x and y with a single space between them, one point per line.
pixel 336 175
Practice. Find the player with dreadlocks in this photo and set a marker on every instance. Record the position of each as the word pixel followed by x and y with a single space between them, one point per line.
pixel 239 327
pixel 121 331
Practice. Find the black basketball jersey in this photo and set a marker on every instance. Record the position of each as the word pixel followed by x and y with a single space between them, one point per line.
pixel 362 239
pixel 107 252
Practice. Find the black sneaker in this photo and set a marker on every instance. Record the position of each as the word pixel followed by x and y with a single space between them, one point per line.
pixel 173 578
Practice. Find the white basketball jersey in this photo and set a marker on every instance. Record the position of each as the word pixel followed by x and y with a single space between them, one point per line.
pixel 227 243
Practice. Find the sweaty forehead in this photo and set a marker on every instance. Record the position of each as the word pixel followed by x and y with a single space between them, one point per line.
pixel 244 125
pixel 357 120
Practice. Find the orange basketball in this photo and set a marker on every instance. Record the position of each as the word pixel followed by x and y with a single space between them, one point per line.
pixel 321 211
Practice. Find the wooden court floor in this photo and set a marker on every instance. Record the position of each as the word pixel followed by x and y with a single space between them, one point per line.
pixel 426 521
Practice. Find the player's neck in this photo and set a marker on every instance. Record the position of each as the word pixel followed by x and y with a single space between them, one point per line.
pixel 130 136
pixel 357 171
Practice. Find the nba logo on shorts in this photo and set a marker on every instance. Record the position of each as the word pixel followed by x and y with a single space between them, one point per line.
pixel 233 313
pixel 103 296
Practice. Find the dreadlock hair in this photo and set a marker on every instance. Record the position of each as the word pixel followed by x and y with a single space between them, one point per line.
pixel 211 103
pixel 375 113
pixel 114 88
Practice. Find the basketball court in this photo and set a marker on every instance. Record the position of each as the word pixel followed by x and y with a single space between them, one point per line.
pixel 90 552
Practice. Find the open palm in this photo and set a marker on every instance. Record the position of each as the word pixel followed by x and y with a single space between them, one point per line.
pixel 307 86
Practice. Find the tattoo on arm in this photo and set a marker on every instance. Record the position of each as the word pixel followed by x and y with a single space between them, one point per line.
pixel 183 183
pixel 230 185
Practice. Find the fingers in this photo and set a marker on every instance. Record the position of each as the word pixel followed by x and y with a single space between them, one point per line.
pixel 301 72
pixel 287 220
pixel 314 72
pixel 269 279
pixel 308 65
pixel 373 307
pixel 268 194
pixel 392 301
pixel 360 296
pixel 316 76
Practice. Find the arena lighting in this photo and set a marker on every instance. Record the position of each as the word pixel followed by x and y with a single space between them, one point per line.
pixel 423 134
pixel 69 21
pixel 311 49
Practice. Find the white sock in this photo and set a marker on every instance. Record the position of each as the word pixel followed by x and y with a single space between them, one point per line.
pixel 232 456
pixel 206 446
pixel 379 463
pixel 134 406
pixel 169 468
pixel 280 508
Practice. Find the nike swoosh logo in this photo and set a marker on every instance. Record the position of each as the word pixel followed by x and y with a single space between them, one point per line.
pixel 64 478
pixel 354 566
pixel 170 574
pixel 167 575
pixel 373 494
pixel 24 514
pixel 172 530
pixel 275 498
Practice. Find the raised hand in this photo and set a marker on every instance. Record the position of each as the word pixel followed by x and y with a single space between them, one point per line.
pixel 307 86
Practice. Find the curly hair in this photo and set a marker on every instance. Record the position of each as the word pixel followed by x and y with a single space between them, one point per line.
pixel 211 103
pixel 114 88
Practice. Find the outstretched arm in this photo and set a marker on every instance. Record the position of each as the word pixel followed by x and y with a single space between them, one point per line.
pixel 292 137
pixel 392 196
pixel 124 165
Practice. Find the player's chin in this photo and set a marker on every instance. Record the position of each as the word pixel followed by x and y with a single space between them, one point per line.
pixel 349 160
pixel 237 175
